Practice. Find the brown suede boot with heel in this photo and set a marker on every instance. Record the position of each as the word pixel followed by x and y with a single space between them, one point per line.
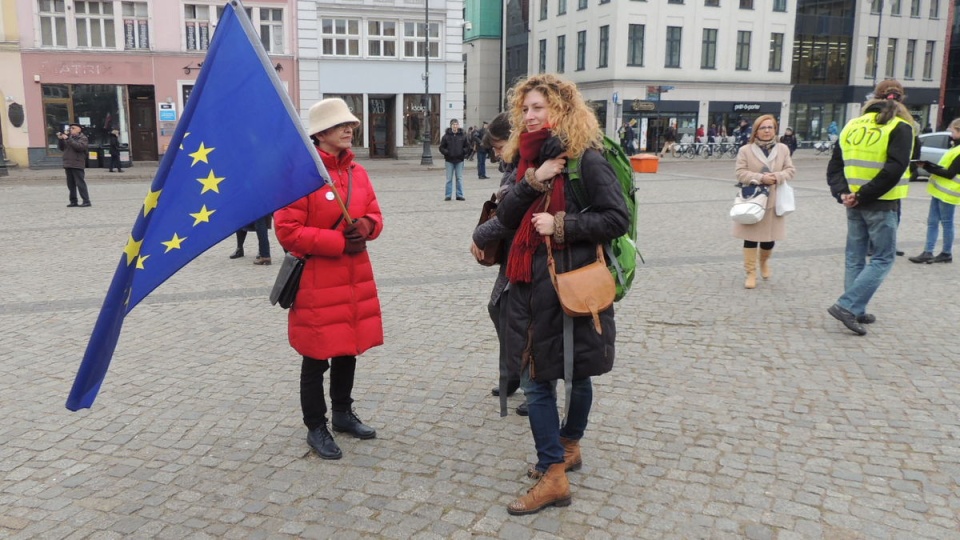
pixel 750 265
pixel 552 489
pixel 765 271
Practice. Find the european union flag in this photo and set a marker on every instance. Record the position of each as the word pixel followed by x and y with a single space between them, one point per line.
pixel 239 153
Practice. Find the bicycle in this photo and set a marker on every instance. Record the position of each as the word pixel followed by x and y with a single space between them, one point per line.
pixel 823 147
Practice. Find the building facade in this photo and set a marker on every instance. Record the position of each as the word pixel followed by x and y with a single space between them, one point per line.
pixel 482 51
pixel 124 65
pixel 371 54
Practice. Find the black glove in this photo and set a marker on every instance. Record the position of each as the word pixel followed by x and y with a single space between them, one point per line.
pixel 552 147
pixel 355 246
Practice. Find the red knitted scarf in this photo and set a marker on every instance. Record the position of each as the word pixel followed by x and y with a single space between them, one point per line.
pixel 527 240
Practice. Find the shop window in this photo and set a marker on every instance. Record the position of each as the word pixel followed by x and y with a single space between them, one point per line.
pixel 197 27
pixel 355 104
pixel 97 107
pixel 382 39
pixel 53 23
pixel 136 25
pixel 414 109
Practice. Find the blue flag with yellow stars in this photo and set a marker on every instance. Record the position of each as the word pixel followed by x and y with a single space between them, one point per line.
pixel 239 152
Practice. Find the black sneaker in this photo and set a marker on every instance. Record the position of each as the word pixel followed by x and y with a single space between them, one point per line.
pixel 847 318
pixel 72 205
pixel 943 257
pixel 924 257
pixel 866 318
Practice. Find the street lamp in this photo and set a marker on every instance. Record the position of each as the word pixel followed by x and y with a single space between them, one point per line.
pixel 427 157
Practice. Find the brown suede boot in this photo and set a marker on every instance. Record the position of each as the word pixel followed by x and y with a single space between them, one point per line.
pixel 765 272
pixel 552 489
pixel 750 265
pixel 572 460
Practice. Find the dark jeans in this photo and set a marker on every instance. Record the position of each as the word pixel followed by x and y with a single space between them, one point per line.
pixel 115 162
pixel 312 400
pixel 75 182
pixel 545 420
pixel 263 237
pixel 481 162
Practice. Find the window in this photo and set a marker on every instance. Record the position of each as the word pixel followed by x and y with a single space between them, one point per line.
pixel 743 49
pixel 196 20
pixel 271 29
pixel 780 5
pixel 136 26
pixel 911 59
pixel 890 71
pixel 382 39
pixel 914 8
pixel 341 37
pixel 542 66
pixel 604 46
pixel 746 4
pixel 870 69
pixel 674 1
pixel 53 23
pixel 708 52
pixel 928 61
pixel 581 4
pixel 875 6
pixel 561 7
pixel 776 52
pixel 711 3
pixel 561 53
pixel 581 50
pixel 415 33
pixel 95 24
pixel 543 10
pixel 895 8
pixel 934 9
pixel 635 44
pixel 674 36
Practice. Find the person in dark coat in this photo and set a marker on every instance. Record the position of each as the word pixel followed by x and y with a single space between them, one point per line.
pixel 551 123
pixel 790 140
pixel 115 150
pixel 74 145
pixel 454 146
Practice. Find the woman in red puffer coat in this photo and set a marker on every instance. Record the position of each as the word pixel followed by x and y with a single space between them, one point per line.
pixel 336 314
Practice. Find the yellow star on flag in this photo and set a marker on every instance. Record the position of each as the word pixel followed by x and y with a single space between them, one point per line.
pixel 140 259
pixel 210 183
pixel 132 249
pixel 173 243
pixel 201 155
pixel 151 201
pixel 202 215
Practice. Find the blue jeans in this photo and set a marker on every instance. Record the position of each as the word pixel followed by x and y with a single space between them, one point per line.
pixel 481 162
pixel 940 213
pixel 454 169
pixel 545 419
pixel 867 227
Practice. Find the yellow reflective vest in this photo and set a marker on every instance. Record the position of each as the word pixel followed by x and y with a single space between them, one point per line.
pixel 864 143
pixel 946 189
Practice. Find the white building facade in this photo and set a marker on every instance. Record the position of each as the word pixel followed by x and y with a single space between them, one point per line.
pixel 371 54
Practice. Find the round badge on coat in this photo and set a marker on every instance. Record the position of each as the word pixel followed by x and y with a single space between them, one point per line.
pixel 330 196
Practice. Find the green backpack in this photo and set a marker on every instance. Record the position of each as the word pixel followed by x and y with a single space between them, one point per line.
pixel 622 252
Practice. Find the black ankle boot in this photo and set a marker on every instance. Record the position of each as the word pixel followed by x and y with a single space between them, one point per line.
pixel 322 442
pixel 237 254
pixel 348 422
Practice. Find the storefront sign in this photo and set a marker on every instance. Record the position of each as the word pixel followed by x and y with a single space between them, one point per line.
pixel 746 107
pixel 640 105
pixel 168 112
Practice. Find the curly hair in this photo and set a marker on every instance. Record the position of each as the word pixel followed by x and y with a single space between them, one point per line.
pixel 756 126
pixel 571 119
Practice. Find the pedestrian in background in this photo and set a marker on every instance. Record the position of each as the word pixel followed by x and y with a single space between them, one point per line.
pixel 481 151
pixel 868 175
pixel 114 143
pixel 336 314
pixel 454 146
pixel 260 226
pixel 670 140
pixel 484 236
pixel 551 123
pixel 74 144
pixel 790 140
pixel 944 189
pixel 762 161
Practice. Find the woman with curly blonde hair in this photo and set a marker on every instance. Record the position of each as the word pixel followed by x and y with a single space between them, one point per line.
pixel 552 123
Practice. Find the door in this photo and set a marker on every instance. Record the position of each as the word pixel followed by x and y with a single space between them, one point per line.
pixel 143 130
pixel 382 127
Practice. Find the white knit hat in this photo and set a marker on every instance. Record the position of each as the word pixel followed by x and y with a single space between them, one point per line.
pixel 329 112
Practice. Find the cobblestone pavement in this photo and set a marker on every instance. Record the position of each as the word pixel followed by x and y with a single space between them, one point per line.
pixel 729 414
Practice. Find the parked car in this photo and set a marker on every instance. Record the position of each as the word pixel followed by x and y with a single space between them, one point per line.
pixel 933 147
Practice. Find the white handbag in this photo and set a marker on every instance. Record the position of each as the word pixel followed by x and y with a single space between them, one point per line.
pixel 749 205
pixel 786 204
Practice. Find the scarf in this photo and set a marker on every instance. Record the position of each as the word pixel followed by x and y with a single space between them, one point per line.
pixel 527 240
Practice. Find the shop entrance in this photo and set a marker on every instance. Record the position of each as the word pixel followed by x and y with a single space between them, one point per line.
pixel 382 126
pixel 143 124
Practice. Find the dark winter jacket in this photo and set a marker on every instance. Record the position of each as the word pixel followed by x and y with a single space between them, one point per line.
pixel 790 141
pixel 74 151
pixel 533 311
pixel 454 146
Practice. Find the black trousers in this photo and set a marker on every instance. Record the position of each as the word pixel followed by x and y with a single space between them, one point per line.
pixel 312 400
pixel 750 244
pixel 76 182
pixel 115 162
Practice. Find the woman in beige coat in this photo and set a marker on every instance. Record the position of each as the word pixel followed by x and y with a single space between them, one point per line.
pixel 762 161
